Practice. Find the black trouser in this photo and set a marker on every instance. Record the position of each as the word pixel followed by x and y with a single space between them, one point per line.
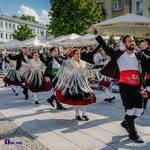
pixel 131 99
pixel 131 96
pixel 25 91
pixel 146 99
pixel 53 97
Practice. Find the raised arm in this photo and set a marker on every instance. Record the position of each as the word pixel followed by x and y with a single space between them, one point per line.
pixel 13 57
pixel 108 50
pixel 43 59
pixel 93 52
pixel 91 66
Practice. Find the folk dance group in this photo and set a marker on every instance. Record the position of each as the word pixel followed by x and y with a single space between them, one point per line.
pixel 68 78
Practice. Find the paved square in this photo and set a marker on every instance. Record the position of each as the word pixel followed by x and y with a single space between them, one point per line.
pixel 57 130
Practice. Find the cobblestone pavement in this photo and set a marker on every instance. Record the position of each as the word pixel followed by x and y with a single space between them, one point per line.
pixel 9 132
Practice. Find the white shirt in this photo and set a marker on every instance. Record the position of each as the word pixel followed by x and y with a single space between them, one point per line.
pixel 128 62
pixel 55 64
pixel 121 46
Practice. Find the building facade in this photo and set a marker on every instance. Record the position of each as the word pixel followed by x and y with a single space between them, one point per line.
pixel 113 8
pixel 9 24
pixel 141 7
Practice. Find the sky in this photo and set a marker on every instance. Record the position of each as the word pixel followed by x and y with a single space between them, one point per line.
pixel 37 8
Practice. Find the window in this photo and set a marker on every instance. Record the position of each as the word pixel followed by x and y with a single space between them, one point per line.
pixel 6 25
pixel 117 5
pixel 9 36
pixel 1 35
pixel 6 35
pixel 139 7
pixel 1 24
pixel 9 25
pixel 102 9
pixel 42 33
pixel 13 26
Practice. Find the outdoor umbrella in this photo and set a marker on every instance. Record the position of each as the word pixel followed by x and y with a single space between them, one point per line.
pixel 67 40
pixel 34 42
pixel 87 39
pixel 12 44
pixel 133 24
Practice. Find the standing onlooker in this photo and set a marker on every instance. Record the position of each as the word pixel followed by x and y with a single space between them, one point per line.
pixel 146 50
pixel 121 44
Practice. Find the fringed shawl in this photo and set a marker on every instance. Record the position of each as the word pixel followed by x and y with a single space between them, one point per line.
pixel 73 75
pixel 33 73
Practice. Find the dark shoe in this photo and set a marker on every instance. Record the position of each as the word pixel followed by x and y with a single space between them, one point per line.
pixel 113 97
pixel 26 97
pixel 26 94
pixel 78 118
pixel 135 137
pixel 139 140
pixel 36 102
pixel 13 90
pixel 50 102
pixel 106 99
pixel 61 108
pixel 110 99
pixel 85 118
pixel 16 94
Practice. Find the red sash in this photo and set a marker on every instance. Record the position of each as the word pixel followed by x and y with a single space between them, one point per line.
pixel 130 77
pixel 147 76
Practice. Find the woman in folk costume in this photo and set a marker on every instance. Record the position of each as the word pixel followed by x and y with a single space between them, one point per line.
pixel 12 76
pixel 72 86
pixel 35 76
pixel 5 63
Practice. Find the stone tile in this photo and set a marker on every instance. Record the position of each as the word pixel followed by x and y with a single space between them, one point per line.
pixel 56 142
pixel 127 144
pixel 116 129
pixel 81 139
pixel 105 147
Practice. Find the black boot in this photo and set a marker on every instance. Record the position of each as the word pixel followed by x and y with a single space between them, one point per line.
pixel 51 99
pixel 145 102
pixel 60 107
pixel 78 118
pixel 132 130
pixel 25 92
pixel 124 124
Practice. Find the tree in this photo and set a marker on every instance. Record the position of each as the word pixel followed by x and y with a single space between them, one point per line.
pixel 28 18
pixel 14 16
pixel 111 40
pixel 72 16
pixel 23 33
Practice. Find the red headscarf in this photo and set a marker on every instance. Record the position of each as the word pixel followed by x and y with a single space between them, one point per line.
pixel 32 53
pixel 72 53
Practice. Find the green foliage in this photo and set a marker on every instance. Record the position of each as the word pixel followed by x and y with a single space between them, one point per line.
pixel 28 18
pixel 23 33
pixel 72 16
pixel 111 40
pixel 14 16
